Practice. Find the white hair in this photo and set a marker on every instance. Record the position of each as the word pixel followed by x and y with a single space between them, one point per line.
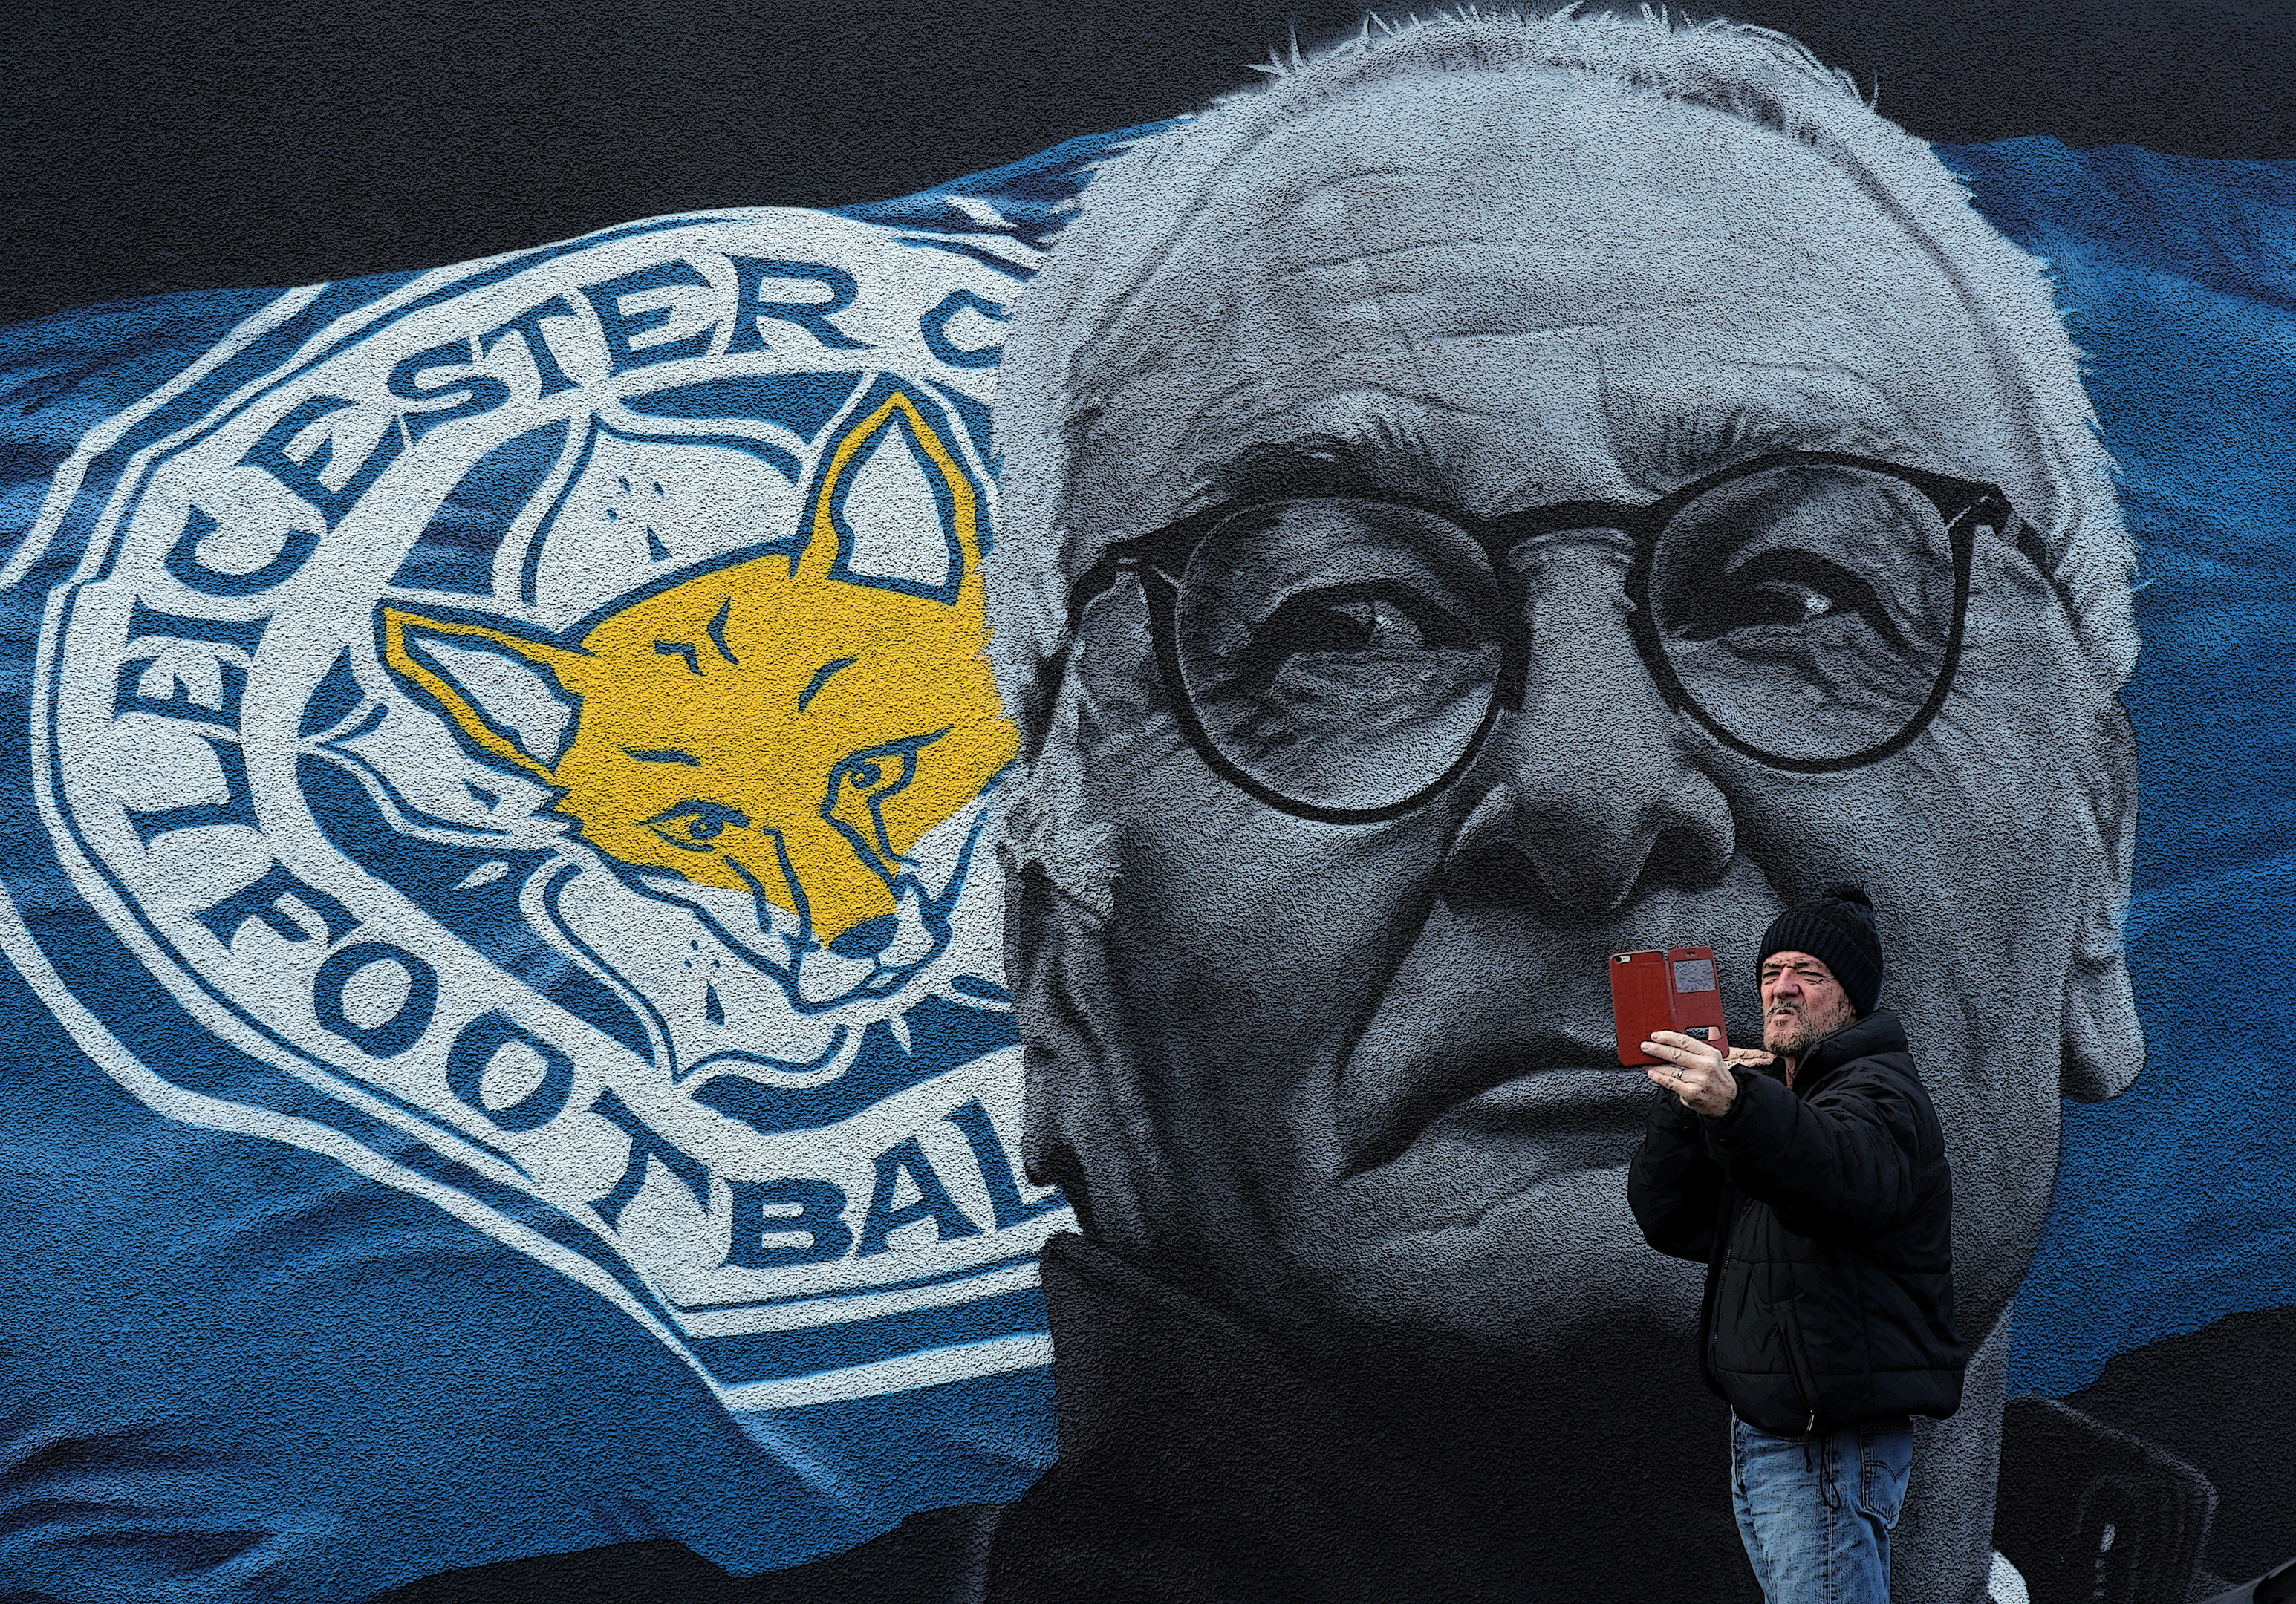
pixel 1138 202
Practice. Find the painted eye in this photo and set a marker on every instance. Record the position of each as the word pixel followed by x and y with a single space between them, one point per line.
pixel 694 823
pixel 1786 589
pixel 882 771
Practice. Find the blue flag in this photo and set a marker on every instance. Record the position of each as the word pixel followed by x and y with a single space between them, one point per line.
pixel 433 1144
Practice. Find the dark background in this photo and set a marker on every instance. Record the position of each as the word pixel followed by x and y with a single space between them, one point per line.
pixel 170 145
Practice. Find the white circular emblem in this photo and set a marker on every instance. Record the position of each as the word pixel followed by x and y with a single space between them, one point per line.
pixel 532 730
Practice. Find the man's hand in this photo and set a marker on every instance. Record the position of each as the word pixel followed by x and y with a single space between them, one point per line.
pixel 1696 1072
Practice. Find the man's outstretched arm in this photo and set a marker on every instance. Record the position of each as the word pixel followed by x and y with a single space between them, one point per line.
pixel 1840 1164
pixel 1674 1186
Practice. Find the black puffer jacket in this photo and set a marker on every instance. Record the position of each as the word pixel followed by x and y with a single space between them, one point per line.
pixel 1824 1215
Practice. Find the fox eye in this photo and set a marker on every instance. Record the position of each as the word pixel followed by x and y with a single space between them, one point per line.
pixel 877 773
pixel 695 824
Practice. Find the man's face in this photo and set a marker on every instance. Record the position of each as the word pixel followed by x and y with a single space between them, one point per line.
pixel 1802 1002
pixel 1357 1077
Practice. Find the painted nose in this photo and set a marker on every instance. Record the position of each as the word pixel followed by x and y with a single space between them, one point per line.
pixel 1588 785
pixel 868 938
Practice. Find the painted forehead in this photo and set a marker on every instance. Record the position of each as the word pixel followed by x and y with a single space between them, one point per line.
pixel 1507 267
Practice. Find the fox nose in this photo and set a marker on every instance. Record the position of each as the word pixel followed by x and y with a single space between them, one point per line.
pixel 868 938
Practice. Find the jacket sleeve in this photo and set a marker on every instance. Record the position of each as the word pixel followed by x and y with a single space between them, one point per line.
pixel 1674 1186
pixel 1840 1164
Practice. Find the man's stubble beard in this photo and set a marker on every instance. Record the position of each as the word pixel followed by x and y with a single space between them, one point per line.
pixel 1788 1039
pixel 1792 1038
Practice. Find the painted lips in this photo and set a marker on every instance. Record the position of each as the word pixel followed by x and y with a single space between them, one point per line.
pixel 1569 1099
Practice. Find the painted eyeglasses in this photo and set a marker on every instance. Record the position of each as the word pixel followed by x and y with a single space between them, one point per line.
pixel 1342 657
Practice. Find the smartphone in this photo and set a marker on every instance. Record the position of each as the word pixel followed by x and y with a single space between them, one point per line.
pixel 1674 990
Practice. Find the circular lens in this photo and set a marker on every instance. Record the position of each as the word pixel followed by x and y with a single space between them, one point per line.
pixel 1807 609
pixel 1341 654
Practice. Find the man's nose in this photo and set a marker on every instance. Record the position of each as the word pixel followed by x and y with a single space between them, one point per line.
pixel 1587 782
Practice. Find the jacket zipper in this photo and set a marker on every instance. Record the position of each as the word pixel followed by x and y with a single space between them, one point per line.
pixel 1798 1362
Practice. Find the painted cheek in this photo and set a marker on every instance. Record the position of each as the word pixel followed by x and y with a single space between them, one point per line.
pixel 641 845
pixel 1235 912
pixel 840 890
pixel 1247 914
pixel 950 772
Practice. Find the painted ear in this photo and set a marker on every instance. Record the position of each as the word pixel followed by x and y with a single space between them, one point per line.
pixel 511 696
pixel 894 508
pixel 2103 1042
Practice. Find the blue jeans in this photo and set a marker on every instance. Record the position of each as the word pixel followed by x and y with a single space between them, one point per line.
pixel 1816 1512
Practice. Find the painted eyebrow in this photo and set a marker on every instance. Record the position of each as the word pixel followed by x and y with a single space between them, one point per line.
pixel 1690 445
pixel 661 755
pixel 717 631
pixel 820 678
pixel 1682 447
pixel 684 649
pixel 1666 439
pixel 1327 465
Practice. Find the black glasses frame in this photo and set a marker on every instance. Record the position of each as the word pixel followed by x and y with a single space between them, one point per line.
pixel 1964 506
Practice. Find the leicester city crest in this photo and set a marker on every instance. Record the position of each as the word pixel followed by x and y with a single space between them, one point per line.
pixel 529 736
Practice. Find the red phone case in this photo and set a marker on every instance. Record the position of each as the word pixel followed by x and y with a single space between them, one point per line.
pixel 1642 1001
pixel 1678 989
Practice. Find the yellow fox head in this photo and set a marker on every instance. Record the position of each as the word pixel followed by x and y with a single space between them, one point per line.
pixel 766 741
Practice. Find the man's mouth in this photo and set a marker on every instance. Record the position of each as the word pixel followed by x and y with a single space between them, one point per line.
pixel 1547 1084
pixel 1491 1048
pixel 1517 1137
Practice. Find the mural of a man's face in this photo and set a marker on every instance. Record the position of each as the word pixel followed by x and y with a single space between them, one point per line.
pixel 1352 1074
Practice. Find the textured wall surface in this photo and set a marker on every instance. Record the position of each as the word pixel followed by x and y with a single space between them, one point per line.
pixel 515 1050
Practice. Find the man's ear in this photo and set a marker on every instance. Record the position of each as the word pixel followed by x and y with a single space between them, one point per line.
pixel 512 696
pixel 2104 1042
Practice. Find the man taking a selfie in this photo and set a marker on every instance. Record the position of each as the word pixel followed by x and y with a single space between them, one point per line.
pixel 1811 1178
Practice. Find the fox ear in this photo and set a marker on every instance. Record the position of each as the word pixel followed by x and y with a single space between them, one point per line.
pixel 512 696
pixel 894 507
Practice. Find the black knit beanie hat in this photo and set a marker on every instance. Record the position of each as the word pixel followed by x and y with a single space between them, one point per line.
pixel 1837 929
